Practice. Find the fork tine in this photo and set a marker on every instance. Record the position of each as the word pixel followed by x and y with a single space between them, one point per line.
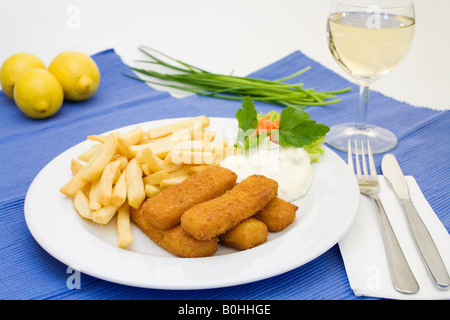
pixel 358 167
pixel 350 157
pixel 363 160
pixel 373 170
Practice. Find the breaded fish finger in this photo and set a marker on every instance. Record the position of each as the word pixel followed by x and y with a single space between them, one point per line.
pixel 174 240
pixel 164 210
pixel 212 218
pixel 248 234
pixel 278 214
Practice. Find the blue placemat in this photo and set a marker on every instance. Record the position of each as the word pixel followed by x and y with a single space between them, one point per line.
pixel 29 272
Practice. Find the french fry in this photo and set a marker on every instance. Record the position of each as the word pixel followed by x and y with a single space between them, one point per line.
pixel 192 157
pixel 123 161
pixel 94 203
pixel 190 152
pixel 81 204
pixel 124 235
pixel 132 137
pixel 195 169
pixel 219 149
pixel 197 130
pixel 180 135
pixel 160 149
pixel 97 137
pixel 209 135
pixel 224 152
pixel 182 171
pixel 229 149
pixel 170 167
pixel 93 168
pixel 74 185
pixel 120 189
pixel 156 178
pixel 106 182
pixel 125 149
pixel 151 190
pixel 75 166
pixel 104 214
pixel 125 140
pixel 217 146
pixel 193 145
pixel 136 191
pixel 170 128
pixel 171 178
pixel 172 181
pixel 100 159
pixel 151 161
pixel 85 156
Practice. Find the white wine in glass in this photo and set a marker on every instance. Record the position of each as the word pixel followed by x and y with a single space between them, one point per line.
pixel 368 39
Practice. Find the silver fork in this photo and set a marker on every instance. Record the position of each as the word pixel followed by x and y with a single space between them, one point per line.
pixel 401 274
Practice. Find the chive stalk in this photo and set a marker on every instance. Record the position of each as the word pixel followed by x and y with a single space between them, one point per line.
pixel 196 80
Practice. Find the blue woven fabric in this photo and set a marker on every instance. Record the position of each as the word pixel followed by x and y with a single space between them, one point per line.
pixel 28 272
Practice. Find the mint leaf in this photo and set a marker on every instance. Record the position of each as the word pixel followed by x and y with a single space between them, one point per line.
pixel 247 119
pixel 297 130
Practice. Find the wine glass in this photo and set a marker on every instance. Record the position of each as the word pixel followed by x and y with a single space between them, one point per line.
pixel 368 39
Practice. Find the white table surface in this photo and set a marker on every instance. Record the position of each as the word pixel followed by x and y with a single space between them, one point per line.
pixel 239 36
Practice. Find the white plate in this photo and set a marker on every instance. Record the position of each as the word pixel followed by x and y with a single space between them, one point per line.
pixel 324 216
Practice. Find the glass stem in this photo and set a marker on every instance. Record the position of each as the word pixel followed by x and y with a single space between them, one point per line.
pixel 361 117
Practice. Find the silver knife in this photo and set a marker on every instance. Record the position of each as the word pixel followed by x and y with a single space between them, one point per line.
pixel 427 248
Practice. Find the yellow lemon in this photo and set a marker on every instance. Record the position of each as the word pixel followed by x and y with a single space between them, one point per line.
pixel 38 93
pixel 78 74
pixel 14 67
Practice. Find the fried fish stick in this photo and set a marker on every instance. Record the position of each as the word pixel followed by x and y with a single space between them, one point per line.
pixel 278 214
pixel 248 234
pixel 164 210
pixel 214 217
pixel 174 240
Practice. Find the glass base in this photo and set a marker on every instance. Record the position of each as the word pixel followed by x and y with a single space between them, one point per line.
pixel 381 140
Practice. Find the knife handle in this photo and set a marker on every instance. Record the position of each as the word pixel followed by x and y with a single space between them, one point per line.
pixel 402 277
pixel 427 247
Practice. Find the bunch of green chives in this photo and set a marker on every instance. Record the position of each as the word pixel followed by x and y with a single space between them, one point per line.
pixel 202 82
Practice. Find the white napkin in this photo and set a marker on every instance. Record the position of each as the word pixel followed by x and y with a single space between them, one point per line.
pixel 363 251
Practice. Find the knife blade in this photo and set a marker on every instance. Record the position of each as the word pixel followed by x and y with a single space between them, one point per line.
pixel 427 248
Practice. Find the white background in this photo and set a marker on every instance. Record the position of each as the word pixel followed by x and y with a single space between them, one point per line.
pixel 239 36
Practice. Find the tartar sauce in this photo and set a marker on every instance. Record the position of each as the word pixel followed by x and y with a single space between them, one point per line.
pixel 289 166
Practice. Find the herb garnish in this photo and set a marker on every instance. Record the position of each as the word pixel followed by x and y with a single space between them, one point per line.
pixel 295 128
